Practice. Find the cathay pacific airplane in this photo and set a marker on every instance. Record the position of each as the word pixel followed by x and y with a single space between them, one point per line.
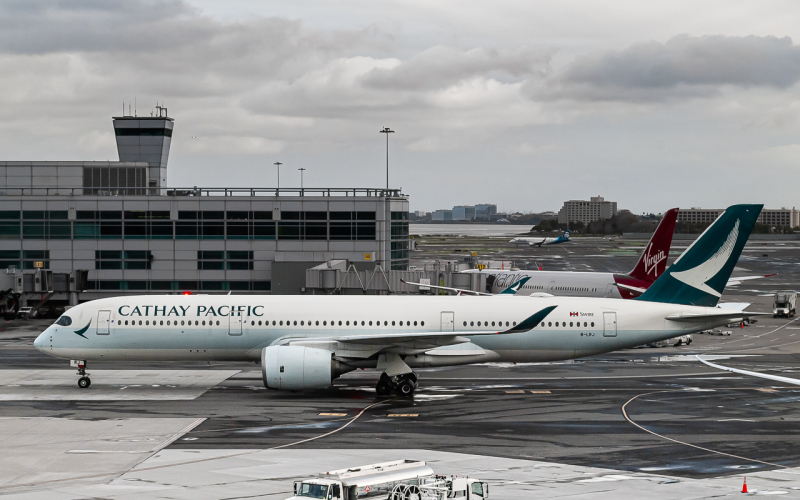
pixel 650 266
pixel 305 342
pixel 539 241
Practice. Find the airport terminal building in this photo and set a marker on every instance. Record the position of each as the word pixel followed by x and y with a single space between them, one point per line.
pixel 134 234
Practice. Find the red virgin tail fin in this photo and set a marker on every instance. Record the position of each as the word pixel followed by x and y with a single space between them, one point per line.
pixel 653 261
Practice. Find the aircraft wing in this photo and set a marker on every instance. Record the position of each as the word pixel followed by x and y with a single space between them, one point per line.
pixel 416 341
pixel 786 380
pixel 448 288
pixel 511 290
pixel 737 280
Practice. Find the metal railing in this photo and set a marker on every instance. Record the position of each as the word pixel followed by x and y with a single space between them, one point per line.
pixel 201 191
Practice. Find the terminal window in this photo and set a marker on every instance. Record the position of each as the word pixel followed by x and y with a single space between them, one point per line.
pixel 180 286
pixel 114 180
pixel 123 259
pixel 198 225
pixel 220 260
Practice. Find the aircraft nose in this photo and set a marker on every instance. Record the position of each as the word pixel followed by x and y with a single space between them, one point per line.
pixel 40 341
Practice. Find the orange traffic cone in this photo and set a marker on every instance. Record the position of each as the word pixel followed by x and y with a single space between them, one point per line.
pixel 744 488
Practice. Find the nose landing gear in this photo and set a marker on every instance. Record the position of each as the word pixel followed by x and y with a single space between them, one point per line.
pixel 84 381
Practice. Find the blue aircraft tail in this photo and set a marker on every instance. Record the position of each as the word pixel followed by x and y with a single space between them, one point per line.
pixel 698 277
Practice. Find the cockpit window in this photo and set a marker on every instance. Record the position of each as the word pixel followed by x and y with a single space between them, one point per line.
pixel 64 321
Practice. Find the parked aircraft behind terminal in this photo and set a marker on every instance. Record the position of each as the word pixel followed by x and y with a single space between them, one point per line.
pixel 650 266
pixel 305 342
pixel 540 240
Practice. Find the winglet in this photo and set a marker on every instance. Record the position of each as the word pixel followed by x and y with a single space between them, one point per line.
pixel 513 289
pixel 531 322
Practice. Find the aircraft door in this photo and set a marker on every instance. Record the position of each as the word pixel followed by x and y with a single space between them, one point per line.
pixel 551 286
pixel 235 325
pixel 609 290
pixel 448 321
pixel 609 324
pixel 103 321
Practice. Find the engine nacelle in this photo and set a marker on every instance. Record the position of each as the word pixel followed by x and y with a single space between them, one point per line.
pixel 292 368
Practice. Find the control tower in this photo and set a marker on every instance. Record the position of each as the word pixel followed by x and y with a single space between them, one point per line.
pixel 146 139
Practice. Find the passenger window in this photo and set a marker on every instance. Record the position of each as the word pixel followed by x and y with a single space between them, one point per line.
pixel 465 323
pixel 592 324
pixel 301 323
pixel 422 323
pixel 392 323
pixel 362 323
pixel 471 323
pixel 340 322
pixel 549 323
pixel 317 323
pixel 161 322
pixel 415 323
pixel 204 322
pixel 570 324
pixel 218 322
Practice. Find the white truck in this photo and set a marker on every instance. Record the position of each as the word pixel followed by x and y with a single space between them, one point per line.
pixel 398 480
pixel 785 304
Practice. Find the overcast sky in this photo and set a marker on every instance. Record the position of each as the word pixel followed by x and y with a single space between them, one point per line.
pixel 522 104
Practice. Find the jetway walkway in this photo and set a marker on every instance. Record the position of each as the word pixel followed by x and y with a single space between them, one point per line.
pixel 341 277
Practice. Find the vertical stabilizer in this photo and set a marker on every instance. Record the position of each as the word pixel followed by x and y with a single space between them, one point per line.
pixel 699 275
pixel 653 261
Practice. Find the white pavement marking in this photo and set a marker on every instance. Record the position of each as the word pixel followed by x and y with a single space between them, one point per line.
pixel 108 385
pixel 226 473
pixel 46 449
pixel 94 477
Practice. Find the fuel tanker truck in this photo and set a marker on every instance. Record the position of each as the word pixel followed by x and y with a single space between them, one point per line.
pixel 398 480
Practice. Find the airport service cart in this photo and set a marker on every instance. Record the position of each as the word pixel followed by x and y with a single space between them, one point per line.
pixel 398 480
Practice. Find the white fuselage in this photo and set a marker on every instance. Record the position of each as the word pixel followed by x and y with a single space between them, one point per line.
pixel 238 327
pixel 561 283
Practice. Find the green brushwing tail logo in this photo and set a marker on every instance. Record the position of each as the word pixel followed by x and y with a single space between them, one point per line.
pixel 83 330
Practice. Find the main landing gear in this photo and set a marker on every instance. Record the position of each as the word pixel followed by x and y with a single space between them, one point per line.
pixel 403 384
pixel 83 382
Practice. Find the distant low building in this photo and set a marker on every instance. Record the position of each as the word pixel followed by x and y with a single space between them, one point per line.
pixel 788 217
pixel 442 215
pixel 597 208
pixel 485 211
pixel 463 212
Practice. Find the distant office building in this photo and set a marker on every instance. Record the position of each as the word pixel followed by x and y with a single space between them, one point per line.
pixel 463 212
pixel 596 208
pixel 485 211
pixel 788 217
pixel 442 215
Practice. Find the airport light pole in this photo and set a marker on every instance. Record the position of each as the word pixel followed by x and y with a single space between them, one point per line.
pixel 301 169
pixel 387 131
pixel 278 164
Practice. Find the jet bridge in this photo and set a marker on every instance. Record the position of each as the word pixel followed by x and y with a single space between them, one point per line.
pixel 342 277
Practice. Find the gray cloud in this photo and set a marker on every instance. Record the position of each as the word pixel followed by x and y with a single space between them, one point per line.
pixel 682 67
pixel 441 66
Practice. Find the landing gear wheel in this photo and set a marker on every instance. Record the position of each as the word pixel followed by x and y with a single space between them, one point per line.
pixel 406 388
pixel 84 382
pixel 383 388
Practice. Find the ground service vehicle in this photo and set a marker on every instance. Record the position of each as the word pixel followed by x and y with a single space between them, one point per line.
pixel 442 488
pixel 785 304
pixel 398 480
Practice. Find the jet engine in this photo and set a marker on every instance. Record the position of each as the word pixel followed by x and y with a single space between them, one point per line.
pixel 292 368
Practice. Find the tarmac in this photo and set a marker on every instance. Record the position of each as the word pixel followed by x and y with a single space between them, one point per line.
pixel 650 422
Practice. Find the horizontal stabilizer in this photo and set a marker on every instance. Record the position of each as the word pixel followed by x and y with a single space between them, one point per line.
pixel 776 378
pixel 633 289
pixel 723 314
